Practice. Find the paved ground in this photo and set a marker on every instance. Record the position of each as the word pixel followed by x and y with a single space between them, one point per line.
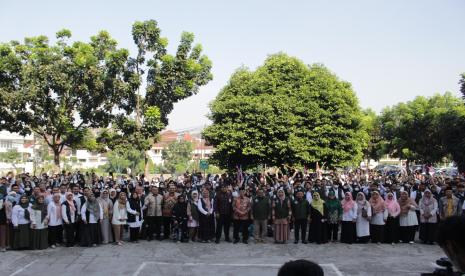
pixel 155 258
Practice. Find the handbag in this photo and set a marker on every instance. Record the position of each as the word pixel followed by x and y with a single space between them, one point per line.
pixel 364 213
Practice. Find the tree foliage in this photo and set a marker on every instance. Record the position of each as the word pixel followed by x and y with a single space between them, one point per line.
pixel 376 145
pixel 414 129
pixel 177 155
pixel 285 112
pixel 169 79
pixel 60 90
pixel 11 156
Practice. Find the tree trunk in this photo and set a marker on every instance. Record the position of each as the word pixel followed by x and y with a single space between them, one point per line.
pixel 146 164
pixel 56 157
pixel 407 166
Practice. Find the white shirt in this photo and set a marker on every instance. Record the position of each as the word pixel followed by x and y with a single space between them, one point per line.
pixel 53 220
pixel 203 211
pixel 351 214
pixel 17 216
pixel 92 218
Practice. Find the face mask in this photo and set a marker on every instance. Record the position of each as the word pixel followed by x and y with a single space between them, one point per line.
pixel 118 190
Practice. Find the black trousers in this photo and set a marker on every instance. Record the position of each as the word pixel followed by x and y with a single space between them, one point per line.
pixel 70 233
pixel 300 226
pixel 428 232
pixel 55 235
pixel 241 225
pixel 377 233
pixel 153 227
pixel 347 232
pixel 166 227
pixel 223 222
pixel 134 233
pixel 407 233
pixel 333 229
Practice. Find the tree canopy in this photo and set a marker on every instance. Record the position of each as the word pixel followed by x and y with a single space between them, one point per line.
pixel 414 129
pixel 285 112
pixel 59 90
pixel 169 78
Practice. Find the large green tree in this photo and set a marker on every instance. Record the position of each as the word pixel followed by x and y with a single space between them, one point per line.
pixel 286 112
pixel 58 91
pixel 414 129
pixel 169 79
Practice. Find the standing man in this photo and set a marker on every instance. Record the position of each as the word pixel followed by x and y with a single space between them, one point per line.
pixel 261 210
pixel 169 200
pixel 223 212
pixel 241 210
pixel 301 213
pixel 153 203
pixel 449 205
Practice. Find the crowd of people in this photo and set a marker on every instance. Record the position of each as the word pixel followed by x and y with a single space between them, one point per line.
pixel 69 209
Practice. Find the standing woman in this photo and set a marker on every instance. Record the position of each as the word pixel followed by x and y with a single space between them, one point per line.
pixel 120 216
pixel 55 222
pixel 193 215
pixel 317 232
pixel 428 217
pixel 206 218
pixel 69 216
pixel 105 222
pixel 334 215
pixel 349 218
pixel 134 217
pixel 281 214
pixel 5 217
pixel 408 218
pixel 378 218
pixel 363 218
pixel 391 233
pixel 91 213
pixel 39 220
pixel 20 218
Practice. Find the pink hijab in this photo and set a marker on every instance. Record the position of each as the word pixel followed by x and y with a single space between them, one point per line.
pixel 377 204
pixel 392 206
pixel 348 204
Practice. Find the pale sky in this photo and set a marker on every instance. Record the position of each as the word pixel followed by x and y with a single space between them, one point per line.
pixel 390 51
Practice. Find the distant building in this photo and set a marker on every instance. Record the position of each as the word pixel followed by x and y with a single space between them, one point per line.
pixel 201 151
pixel 23 144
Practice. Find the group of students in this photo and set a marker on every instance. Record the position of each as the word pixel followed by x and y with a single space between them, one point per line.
pixel 52 211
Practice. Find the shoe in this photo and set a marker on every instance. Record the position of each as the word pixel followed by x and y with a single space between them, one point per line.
pixel 119 243
pixel 245 242
pixel 53 246
pixel 227 240
pixel 3 249
pixel 296 242
pixel 304 242
pixel 217 241
pixel 411 242
pixel 236 241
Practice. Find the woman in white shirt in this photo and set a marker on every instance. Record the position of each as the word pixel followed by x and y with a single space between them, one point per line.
pixel 349 218
pixel 55 222
pixel 120 216
pixel 39 222
pixel 20 218
pixel 378 218
pixel 91 214
pixel 408 220
pixel 428 217
pixel 363 218
pixel 69 214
